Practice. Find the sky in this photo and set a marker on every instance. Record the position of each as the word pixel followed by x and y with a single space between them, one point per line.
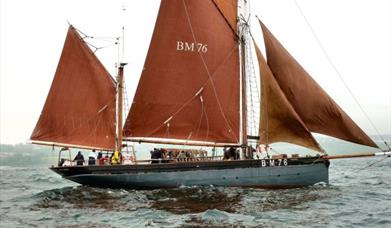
pixel 356 35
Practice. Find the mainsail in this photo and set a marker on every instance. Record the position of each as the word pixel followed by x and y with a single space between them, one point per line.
pixel 80 108
pixel 229 9
pixel 189 87
pixel 278 120
pixel 315 108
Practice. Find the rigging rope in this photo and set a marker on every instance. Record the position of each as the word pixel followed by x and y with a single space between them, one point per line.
pixel 371 164
pixel 375 162
pixel 203 111
pixel 337 72
pixel 113 40
pixel 253 95
pixel 252 90
pixel 125 101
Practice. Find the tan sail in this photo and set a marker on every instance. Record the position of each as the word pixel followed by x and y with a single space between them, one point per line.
pixel 318 111
pixel 189 87
pixel 278 120
pixel 80 108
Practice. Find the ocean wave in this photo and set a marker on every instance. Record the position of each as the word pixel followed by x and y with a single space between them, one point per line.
pixel 34 196
pixel 12 168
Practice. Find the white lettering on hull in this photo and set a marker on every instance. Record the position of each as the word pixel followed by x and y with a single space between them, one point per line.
pixel 272 162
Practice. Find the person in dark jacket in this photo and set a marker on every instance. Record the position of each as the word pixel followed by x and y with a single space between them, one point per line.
pixel 156 154
pixel 231 154
pixel 79 159
pixel 226 154
pixel 100 155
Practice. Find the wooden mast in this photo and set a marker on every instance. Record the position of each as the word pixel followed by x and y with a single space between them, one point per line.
pixel 244 103
pixel 120 79
pixel 242 31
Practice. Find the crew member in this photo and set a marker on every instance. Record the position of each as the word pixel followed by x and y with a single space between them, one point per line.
pixel 79 159
pixel 116 159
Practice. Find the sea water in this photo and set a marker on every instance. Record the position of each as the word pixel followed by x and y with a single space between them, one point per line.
pixel 359 195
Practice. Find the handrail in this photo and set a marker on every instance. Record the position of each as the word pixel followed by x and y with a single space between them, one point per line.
pixel 69 162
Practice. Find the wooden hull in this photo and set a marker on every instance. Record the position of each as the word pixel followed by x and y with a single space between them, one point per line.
pixel 245 173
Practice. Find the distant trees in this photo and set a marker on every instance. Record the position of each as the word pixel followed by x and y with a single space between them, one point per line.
pixel 26 155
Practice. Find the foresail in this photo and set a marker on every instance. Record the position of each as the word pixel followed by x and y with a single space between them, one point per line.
pixel 278 120
pixel 318 111
pixel 80 107
pixel 189 87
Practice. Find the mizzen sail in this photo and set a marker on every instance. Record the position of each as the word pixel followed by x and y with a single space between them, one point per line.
pixel 189 87
pixel 317 110
pixel 80 108
pixel 278 120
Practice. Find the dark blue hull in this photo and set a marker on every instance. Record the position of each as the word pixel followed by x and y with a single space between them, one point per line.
pixel 247 173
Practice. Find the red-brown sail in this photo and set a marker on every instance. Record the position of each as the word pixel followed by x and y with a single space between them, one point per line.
pixel 317 109
pixel 278 120
pixel 229 9
pixel 80 107
pixel 189 87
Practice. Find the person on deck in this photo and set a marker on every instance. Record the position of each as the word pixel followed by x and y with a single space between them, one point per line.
pixel 231 154
pixel 235 153
pixel 226 153
pixel 116 159
pixel 92 158
pixel 251 152
pixel 79 159
pixel 182 156
pixel 100 159
pixel 156 154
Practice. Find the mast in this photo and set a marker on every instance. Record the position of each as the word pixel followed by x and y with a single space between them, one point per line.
pixel 243 98
pixel 120 82
pixel 120 79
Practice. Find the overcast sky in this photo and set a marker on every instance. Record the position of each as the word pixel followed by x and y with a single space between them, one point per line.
pixel 355 33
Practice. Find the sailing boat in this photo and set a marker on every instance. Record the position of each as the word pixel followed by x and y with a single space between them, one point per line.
pixel 193 92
